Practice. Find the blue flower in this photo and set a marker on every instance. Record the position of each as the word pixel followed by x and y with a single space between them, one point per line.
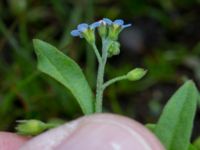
pixel 95 25
pixel 120 22
pixel 80 28
pixel 115 27
pixel 86 31
pixel 84 27
pixel 76 33
pixel 107 21
pixel 117 22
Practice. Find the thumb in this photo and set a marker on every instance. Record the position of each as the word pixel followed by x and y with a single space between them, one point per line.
pixel 11 141
pixel 99 132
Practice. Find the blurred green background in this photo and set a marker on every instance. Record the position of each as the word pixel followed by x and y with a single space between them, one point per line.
pixel 164 38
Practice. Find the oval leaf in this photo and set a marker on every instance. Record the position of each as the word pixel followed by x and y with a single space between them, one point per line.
pixel 62 68
pixel 175 124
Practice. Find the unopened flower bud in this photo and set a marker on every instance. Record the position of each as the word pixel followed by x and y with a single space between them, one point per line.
pixel 136 74
pixel 30 127
pixel 114 49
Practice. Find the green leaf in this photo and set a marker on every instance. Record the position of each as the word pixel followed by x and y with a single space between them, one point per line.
pixel 192 147
pixel 175 124
pixel 150 126
pixel 62 68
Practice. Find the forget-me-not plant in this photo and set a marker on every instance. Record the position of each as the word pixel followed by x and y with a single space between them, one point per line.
pixel 62 68
pixel 108 31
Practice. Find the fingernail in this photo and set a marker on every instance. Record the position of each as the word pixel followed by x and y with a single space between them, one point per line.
pixel 110 132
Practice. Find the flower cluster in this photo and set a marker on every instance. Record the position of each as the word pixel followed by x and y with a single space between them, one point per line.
pixel 108 31
pixel 106 27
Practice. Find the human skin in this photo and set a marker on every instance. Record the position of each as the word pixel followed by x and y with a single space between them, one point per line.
pixel 99 132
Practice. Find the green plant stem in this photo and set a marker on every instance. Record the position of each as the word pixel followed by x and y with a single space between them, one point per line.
pixel 99 89
pixel 52 125
pixel 97 53
pixel 106 84
pixel 100 79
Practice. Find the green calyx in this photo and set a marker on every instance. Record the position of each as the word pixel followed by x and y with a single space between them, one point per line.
pixel 103 31
pixel 89 35
pixel 109 31
pixel 114 31
pixel 136 74
pixel 31 127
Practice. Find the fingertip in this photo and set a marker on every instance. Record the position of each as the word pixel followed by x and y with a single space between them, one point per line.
pixel 99 132
pixel 108 131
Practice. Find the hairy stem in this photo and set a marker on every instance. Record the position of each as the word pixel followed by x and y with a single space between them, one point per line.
pixel 97 53
pixel 113 81
pixel 100 78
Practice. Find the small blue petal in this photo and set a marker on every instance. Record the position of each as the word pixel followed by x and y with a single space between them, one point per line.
pixel 94 25
pixel 126 26
pixel 119 22
pixel 108 21
pixel 75 33
pixel 82 27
